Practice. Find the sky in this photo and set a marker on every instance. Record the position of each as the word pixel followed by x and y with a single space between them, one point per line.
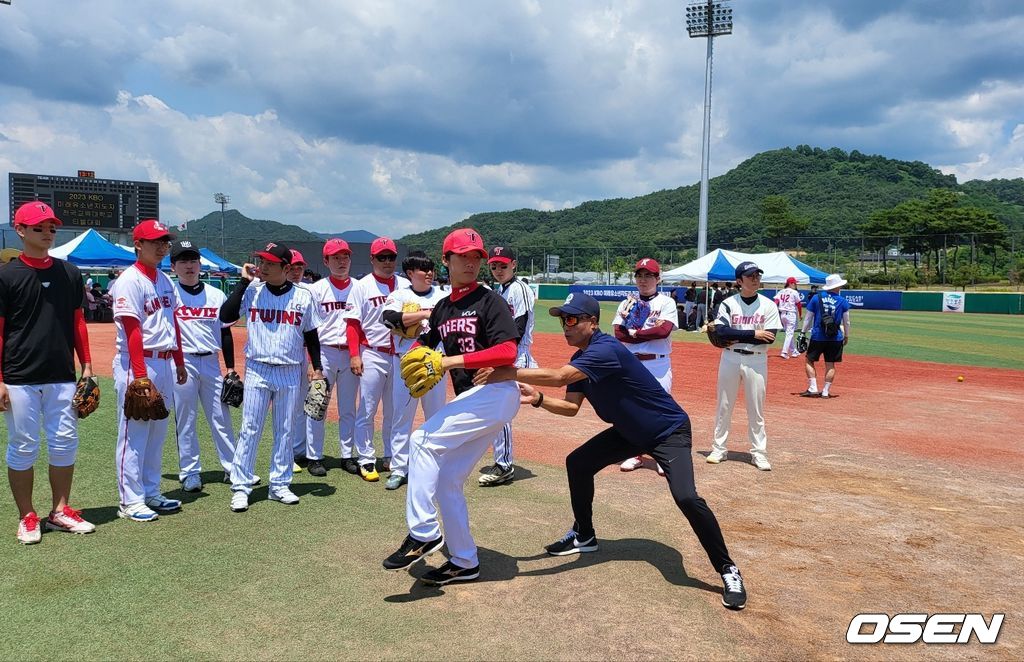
pixel 397 117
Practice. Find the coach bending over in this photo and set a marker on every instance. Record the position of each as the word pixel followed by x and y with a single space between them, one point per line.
pixel 644 419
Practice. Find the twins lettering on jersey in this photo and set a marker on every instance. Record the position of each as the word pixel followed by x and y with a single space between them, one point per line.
pixel 275 316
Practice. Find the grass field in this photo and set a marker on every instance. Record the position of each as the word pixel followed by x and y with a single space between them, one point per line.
pixel 995 341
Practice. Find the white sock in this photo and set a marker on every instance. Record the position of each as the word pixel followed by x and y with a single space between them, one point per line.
pixel 828 385
pixel 812 384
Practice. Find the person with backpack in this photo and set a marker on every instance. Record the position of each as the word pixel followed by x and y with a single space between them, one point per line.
pixel 828 320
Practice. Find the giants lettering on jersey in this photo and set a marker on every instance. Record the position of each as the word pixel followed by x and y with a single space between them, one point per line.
pixel 193 313
pixel 458 325
pixel 155 304
pixel 755 319
pixel 272 315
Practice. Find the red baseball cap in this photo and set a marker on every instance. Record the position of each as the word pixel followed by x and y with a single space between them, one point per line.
pixel 791 281
pixel 150 230
pixel 648 264
pixel 297 257
pixel 34 213
pixel 275 253
pixel 336 246
pixel 383 245
pixel 462 241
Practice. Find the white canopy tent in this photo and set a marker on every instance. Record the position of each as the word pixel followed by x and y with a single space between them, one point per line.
pixel 720 265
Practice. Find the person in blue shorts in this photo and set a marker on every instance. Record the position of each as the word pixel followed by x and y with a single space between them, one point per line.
pixel 828 319
pixel 644 419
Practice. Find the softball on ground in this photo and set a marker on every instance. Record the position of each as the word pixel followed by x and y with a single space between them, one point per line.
pixel 960 378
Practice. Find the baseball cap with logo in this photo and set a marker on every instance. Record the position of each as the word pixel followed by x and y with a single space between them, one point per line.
pixel 502 254
pixel 297 257
pixel 791 281
pixel 383 245
pixel 747 269
pixel 336 246
pixel 184 250
pixel 275 253
pixel 577 303
pixel 34 213
pixel 151 230
pixel 648 264
pixel 463 241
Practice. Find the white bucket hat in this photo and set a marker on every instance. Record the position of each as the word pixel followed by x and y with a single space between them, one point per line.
pixel 834 282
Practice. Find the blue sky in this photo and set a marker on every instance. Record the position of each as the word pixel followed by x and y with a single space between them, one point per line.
pixel 396 117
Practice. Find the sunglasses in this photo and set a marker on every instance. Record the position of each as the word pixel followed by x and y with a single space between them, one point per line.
pixel 499 265
pixel 569 321
pixel 50 230
pixel 385 258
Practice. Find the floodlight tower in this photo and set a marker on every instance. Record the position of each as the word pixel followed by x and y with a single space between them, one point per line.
pixel 709 19
pixel 221 200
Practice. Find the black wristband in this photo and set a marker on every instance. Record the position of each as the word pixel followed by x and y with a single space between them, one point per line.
pixel 540 400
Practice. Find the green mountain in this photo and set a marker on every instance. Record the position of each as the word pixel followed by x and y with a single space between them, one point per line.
pixel 834 190
pixel 242 234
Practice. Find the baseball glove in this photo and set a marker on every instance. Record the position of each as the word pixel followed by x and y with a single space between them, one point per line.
pixel 143 402
pixel 421 370
pixel 232 391
pixel 716 340
pixel 637 315
pixel 413 330
pixel 317 397
pixel 802 341
pixel 87 396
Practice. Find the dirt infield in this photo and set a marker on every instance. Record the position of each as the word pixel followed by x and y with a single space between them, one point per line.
pixel 903 494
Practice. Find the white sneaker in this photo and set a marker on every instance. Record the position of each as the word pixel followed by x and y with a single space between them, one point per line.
pixel 137 512
pixel 761 463
pixel 284 495
pixel 714 457
pixel 163 504
pixel 632 464
pixel 68 520
pixel 192 483
pixel 29 532
pixel 239 502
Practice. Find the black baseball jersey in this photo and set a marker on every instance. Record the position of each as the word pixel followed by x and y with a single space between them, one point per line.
pixel 479 320
pixel 38 307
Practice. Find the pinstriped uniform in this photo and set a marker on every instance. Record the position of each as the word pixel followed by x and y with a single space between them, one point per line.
pixel 273 365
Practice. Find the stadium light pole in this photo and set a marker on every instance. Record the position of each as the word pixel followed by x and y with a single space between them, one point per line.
pixel 709 19
pixel 221 200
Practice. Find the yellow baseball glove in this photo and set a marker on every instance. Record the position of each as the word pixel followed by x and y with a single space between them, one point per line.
pixel 413 330
pixel 421 370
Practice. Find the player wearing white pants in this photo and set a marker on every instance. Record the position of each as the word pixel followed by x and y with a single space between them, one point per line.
pixel 423 296
pixel 147 340
pixel 344 388
pixel 373 356
pixel 282 322
pixel 788 302
pixel 648 338
pixel 295 273
pixel 520 297
pixel 750 320
pixel 203 339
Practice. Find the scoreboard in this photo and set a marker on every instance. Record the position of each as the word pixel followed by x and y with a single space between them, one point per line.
pixel 87 202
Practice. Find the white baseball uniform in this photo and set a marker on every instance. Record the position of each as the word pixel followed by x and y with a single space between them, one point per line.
pixel 654 354
pixel 299 425
pixel 140 444
pixel 521 299
pixel 747 362
pixel 274 360
pixel 404 403
pixel 380 363
pixel 788 302
pixel 199 322
pixel 332 296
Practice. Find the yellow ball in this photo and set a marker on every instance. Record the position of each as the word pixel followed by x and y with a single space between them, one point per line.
pixel 960 378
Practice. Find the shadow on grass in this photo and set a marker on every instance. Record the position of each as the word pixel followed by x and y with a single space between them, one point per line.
pixel 521 474
pixel 494 567
pixel 667 560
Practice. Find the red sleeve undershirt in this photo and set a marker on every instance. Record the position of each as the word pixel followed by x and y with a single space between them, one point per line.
pixel 133 332
pixel 81 337
pixel 355 337
pixel 661 330
pixel 492 357
pixel 178 354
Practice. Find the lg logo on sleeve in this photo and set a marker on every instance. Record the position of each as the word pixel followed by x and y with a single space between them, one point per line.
pixel 933 629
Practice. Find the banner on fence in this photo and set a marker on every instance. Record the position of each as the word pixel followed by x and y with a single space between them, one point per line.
pixel 953 302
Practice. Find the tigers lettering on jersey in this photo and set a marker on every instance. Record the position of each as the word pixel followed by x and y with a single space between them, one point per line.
pixel 465 325
pixel 376 301
pixel 331 306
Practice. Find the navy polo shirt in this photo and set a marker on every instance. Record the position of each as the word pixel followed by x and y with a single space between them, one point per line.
pixel 624 393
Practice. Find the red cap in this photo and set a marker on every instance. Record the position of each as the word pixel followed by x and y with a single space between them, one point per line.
pixel 336 246
pixel 151 229
pixel 297 257
pixel 34 213
pixel 462 241
pixel 383 245
pixel 791 281
pixel 648 264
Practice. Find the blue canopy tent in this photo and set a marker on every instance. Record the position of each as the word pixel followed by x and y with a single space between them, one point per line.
pixel 209 261
pixel 720 265
pixel 90 249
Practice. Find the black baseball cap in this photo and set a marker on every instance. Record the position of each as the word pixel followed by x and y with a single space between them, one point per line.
pixel 501 254
pixel 276 253
pixel 747 269
pixel 577 303
pixel 184 250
